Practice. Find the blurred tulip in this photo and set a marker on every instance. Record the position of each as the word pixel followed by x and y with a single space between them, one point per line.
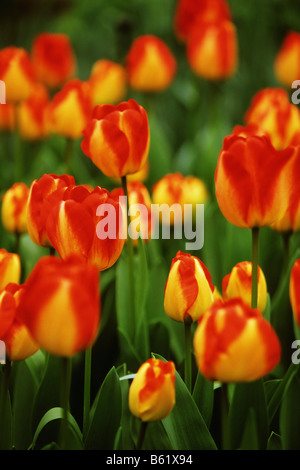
pixel 117 138
pixel 71 109
pixel 141 175
pixel 18 341
pixel 7 311
pixel 150 64
pixel 212 50
pixel 7 117
pixel 17 72
pixel 234 343
pixel 239 284
pixel 10 268
pixel 33 114
pixel 188 290
pixel 40 202
pixel 294 291
pixel 272 111
pixel 61 305
pixel 249 182
pixel 287 60
pixel 152 391
pixel 14 208
pixel 73 223
pixel 53 59
pixel 108 82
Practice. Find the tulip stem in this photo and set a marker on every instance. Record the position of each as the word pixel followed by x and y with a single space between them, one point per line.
pixel 141 435
pixel 65 399
pixel 87 390
pixel 188 352
pixel 255 240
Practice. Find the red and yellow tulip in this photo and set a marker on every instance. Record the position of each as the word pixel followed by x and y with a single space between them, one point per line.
pixel 14 208
pixel 17 72
pixel 10 268
pixel 287 60
pixel 294 291
pixel 108 82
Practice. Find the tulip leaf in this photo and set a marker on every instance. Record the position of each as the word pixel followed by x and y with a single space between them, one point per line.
pixel 249 440
pixel 274 442
pixel 278 388
pixel 290 416
pixel 6 415
pixel 203 395
pixel 105 414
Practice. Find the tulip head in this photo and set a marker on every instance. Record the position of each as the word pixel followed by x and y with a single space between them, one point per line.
pixel 108 82
pixel 32 117
pixel 287 60
pixel 234 343
pixel 10 268
pixel 188 290
pixel 14 208
pixel 152 391
pixel 294 290
pixel 117 138
pixel 17 72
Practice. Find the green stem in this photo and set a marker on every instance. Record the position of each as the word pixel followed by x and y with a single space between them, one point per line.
pixel 188 352
pixel 87 390
pixel 255 243
pixel 4 393
pixel 224 415
pixel 142 435
pixel 65 397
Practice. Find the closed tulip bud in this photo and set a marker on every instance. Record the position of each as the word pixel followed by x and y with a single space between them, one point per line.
pixel 7 117
pixel 294 290
pixel 10 268
pixel 32 117
pixel 286 64
pixel 234 343
pixel 188 290
pixel 71 109
pixel 212 50
pixel 108 82
pixel 272 111
pixel 17 72
pixel 40 203
pixel 249 182
pixel 150 64
pixel 53 58
pixel 117 138
pixel 239 284
pixel 61 305
pixel 18 341
pixel 152 391
pixel 14 208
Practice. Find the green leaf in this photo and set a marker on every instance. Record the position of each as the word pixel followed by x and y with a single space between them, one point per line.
pixel 290 416
pixel 203 395
pixel 6 423
pixel 105 415
pixel 249 440
pixel 274 442
pixel 278 388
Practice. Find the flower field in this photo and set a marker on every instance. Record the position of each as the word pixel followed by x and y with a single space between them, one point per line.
pixel 150 217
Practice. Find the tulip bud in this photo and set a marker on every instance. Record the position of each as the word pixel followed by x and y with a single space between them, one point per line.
pixel 188 290
pixel 61 305
pixel 294 290
pixel 10 268
pixel 234 343
pixel 286 64
pixel 152 391
pixel 108 82
pixel 32 117
pixel 14 208
pixel 53 59
pixel 239 284
pixel 17 72
pixel 150 64
pixel 117 138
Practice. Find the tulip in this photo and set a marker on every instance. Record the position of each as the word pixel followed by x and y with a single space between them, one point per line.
pixel 286 64
pixel 14 208
pixel 150 64
pixel 7 117
pixel 117 138
pixel 108 82
pixel 61 305
pixel 238 284
pixel 71 109
pixel 7 311
pixel 33 114
pixel 10 268
pixel 212 50
pixel 234 343
pixel 53 58
pixel 152 391
pixel 41 194
pixel 18 341
pixel 17 72
pixel 294 289
pixel 272 111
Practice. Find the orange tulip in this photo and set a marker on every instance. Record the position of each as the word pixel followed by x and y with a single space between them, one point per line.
pixel 14 208
pixel 74 224
pixel 61 305
pixel 287 60
pixel 53 58
pixel 189 290
pixel 7 117
pixel 18 341
pixel 7 311
pixel 40 201
pixel 272 111
pixel 234 343
pixel 250 187
pixel 294 290
pixel 117 138
pixel 71 109
pixel 17 72
pixel 239 283
pixel 108 82
pixel 150 64
pixel 212 50
pixel 152 391
pixel 32 118
pixel 10 268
